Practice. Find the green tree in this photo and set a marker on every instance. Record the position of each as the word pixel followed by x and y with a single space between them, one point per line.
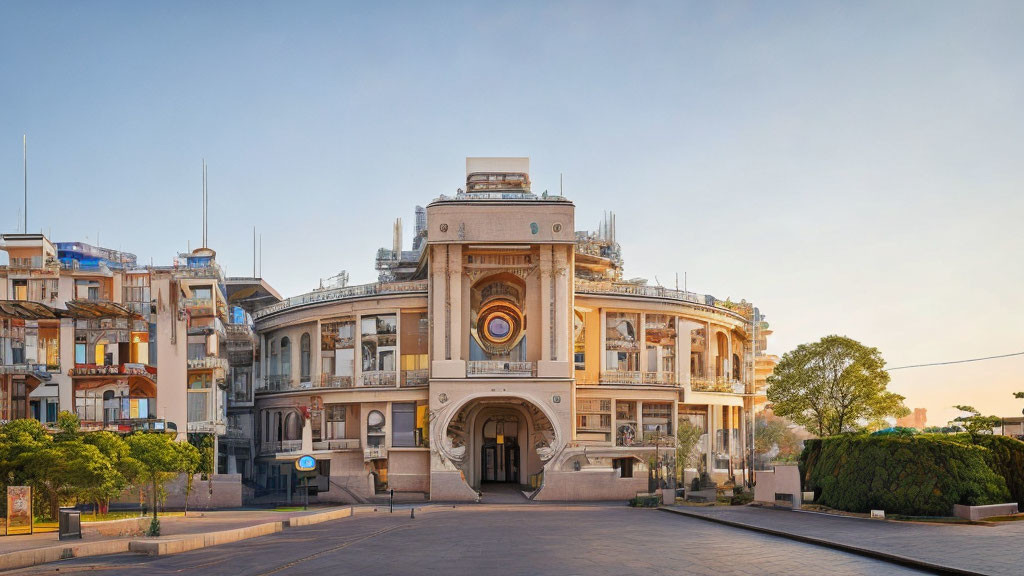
pixel 65 471
pixel 159 461
pixel 190 461
pixel 830 385
pixel 687 448
pixel 124 468
pixel 775 438
pixel 974 422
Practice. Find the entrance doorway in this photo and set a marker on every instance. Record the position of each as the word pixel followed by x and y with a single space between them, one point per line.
pixel 500 455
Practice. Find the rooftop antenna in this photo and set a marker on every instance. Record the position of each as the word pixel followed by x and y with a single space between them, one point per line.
pixel 560 184
pixel 254 252
pixel 24 159
pixel 261 255
pixel 204 202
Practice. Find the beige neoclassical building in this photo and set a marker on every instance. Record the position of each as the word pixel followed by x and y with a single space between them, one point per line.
pixel 503 350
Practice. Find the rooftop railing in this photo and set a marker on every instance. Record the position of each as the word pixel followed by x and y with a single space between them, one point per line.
pixel 638 377
pixel 379 379
pixel 207 363
pixel 629 289
pixel 345 293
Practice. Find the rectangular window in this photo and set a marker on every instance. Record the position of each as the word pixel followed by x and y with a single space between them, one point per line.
pixel 335 416
pixel 657 422
pixel 414 348
pixel 624 466
pixel 594 419
pixel 379 342
pixel 579 341
pixel 20 289
pixel 622 347
pixel 660 337
pixel 403 424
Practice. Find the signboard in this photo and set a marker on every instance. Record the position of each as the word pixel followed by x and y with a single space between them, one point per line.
pixel 305 464
pixel 19 510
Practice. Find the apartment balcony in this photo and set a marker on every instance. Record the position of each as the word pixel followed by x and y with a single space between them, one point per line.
pixel 415 378
pixel 636 377
pixel 208 363
pixel 499 369
pixel 281 447
pixel 375 453
pixel 379 379
pixel 236 331
pixel 215 327
pixel 199 307
pixel 723 385
pixel 240 397
pixel 40 372
pixel 127 425
pixel 99 372
pixel 337 444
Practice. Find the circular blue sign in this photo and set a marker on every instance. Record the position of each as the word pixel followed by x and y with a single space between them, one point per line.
pixel 305 463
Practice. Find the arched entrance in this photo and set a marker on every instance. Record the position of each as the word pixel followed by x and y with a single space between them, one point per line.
pixel 493 441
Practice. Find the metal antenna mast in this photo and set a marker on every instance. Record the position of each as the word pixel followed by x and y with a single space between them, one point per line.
pixel 24 156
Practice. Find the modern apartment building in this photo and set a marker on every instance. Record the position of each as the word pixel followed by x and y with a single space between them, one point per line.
pixel 125 347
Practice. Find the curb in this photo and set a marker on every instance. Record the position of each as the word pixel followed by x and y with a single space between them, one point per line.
pixel 163 546
pixel 866 552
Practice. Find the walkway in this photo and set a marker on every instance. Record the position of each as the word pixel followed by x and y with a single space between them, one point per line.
pixel 502 493
pixel 508 540
pixel 996 550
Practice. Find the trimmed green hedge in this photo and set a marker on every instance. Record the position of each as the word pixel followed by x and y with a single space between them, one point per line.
pixel 1006 457
pixel 915 475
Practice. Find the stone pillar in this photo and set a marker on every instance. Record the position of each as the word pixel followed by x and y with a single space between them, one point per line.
pixel 545 303
pixel 357 351
pixel 614 423
pixel 602 354
pixel 563 310
pixel 455 329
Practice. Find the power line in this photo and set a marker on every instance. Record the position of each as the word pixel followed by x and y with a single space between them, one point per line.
pixel 956 361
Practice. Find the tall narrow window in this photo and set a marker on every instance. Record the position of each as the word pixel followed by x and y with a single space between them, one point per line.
pixel 286 357
pixel 304 357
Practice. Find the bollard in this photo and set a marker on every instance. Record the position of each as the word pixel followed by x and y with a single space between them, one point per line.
pixel 392 511
pixel 412 513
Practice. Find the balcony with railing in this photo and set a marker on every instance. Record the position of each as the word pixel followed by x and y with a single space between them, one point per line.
pixel 280 447
pixel 337 444
pixel 375 453
pixel 636 377
pixel 720 384
pixel 379 379
pixel 207 363
pixel 199 307
pixel 415 378
pixel 582 286
pixel 347 292
pixel 499 369
pixel 99 371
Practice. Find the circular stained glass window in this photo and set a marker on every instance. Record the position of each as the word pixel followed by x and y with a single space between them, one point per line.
pixel 498 328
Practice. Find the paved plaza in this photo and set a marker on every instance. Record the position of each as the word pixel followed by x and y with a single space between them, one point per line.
pixel 537 539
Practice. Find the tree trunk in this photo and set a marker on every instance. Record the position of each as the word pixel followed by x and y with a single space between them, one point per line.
pixel 154 496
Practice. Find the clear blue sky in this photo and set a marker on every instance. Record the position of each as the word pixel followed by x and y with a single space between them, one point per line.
pixel 851 168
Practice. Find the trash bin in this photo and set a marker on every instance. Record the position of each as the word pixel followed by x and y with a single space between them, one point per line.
pixel 69 524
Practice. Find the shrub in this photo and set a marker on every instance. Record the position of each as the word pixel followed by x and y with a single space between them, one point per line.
pixel 916 475
pixel 1005 456
pixel 154 527
pixel 645 501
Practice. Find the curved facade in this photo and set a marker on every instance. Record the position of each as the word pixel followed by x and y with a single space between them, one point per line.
pixel 504 348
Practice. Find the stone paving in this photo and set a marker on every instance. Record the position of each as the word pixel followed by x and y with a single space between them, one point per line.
pixel 479 539
pixel 996 549
pixel 196 522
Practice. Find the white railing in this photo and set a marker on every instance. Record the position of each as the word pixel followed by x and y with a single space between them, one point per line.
pixel 727 385
pixel 499 368
pixel 375 452
pixel 347 292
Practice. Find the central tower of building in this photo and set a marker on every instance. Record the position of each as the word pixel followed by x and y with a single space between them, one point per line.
pixel 500 269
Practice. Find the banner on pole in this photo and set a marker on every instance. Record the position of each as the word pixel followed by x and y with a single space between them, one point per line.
pixel 19 510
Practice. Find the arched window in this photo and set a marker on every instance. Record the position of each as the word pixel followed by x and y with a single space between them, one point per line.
pixel 292 427
pixel 273 358
pixel 304 357
pixel 286 358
